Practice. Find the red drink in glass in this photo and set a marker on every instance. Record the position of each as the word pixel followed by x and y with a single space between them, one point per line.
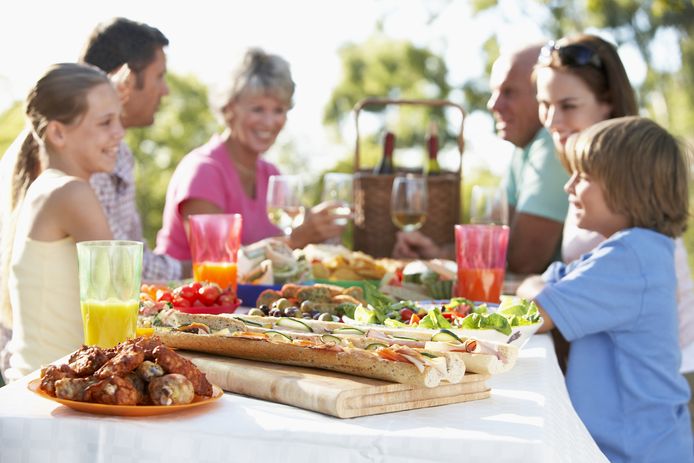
pixel 481 259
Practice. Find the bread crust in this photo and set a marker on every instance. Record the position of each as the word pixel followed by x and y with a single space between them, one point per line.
pixel 351 361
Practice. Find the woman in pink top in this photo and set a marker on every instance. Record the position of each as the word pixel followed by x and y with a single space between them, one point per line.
pixel 226 175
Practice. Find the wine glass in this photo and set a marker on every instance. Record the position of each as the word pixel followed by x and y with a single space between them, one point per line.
pixel 284 207
pixel 337 188
pixel 488 205
pixel 408 202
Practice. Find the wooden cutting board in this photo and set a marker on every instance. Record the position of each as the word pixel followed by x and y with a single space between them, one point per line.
pixel 336 394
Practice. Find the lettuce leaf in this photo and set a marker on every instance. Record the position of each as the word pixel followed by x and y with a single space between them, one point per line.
pixel 365 314
pixel 494 321
pixel 434 320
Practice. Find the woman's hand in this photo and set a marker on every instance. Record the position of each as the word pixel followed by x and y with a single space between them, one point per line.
pixel 319 225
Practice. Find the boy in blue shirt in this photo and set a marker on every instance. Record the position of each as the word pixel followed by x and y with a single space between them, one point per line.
pixel 616 305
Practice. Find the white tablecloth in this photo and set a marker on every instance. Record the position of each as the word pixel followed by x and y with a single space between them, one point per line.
pixel 527 419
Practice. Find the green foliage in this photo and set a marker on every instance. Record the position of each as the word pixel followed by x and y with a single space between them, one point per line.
pixel 11 123
pixel 386 68
pixel 183 122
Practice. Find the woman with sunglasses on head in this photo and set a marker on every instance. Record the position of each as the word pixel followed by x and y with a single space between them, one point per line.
pixel 581 81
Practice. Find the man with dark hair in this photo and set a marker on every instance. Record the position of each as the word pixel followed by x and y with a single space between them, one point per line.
pixel 133 55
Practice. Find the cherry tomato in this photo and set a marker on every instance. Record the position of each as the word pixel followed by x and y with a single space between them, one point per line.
pixel 164 295
pixel 196 285
pixel 209 293
pixel 226 299
pixel 406 314
pixel 178 301
pixel 186 292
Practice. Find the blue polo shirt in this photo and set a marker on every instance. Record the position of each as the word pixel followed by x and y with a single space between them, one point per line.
pixel 617 307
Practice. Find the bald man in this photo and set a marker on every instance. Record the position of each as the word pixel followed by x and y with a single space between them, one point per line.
pixel 535 178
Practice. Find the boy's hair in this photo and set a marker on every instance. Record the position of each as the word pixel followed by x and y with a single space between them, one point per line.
pixel 642 169
pixel 120 41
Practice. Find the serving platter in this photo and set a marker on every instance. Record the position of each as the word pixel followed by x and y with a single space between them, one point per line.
pixel 518 337
pixel 126 410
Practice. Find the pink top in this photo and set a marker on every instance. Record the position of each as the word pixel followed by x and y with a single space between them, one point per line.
pixel 207 173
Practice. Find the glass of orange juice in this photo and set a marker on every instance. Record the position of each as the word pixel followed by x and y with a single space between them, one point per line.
pixel 214 244
pixel 481 257
pixel 110 272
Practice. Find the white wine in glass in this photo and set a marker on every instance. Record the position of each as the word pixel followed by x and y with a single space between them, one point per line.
pixel 337 187
pixel 284 207
pixel 408 202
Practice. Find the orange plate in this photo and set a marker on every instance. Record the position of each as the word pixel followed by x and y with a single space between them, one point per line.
pixel 125 410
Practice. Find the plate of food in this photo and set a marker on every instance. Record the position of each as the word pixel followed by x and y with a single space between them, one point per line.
pixel 139 377
pixel 125 410
pixel 513 321
pixel 193 297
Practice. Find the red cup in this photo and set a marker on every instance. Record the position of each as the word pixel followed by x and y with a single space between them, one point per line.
pixel 481 257
pixel 214 243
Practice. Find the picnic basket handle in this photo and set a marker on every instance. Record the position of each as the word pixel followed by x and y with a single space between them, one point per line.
pixel 395 101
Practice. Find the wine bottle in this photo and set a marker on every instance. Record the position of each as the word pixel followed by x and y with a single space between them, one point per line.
pixel 386 167
pixel 432 164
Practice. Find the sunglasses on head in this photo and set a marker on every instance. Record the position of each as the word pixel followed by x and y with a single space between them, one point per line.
pixel 570 55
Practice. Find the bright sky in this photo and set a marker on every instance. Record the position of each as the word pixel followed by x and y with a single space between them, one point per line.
pixel 207 36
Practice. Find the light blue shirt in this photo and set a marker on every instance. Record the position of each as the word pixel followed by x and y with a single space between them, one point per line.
pixel 535 180
pixel 617 307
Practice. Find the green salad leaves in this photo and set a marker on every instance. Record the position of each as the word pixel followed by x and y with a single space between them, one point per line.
pixel 512 312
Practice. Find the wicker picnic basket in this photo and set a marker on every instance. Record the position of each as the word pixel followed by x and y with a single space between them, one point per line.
pixel 374 232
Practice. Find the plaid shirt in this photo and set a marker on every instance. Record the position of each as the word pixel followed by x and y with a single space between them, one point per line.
pixel 116 192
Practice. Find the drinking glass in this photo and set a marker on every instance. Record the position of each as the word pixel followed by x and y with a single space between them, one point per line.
pixel 488 205
pixel 480 251
pixel 214 244
pixel 408 202
pixel 337 187
pixel 110 274
pixel 284 207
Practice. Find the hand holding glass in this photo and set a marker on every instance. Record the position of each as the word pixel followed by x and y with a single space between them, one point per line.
pixel 409 202
pixel 214 243
pixel 110 276
pixel 284 206
pixel 337 188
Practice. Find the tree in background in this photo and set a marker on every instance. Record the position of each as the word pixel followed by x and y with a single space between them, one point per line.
pixel 381 67
pixel 11 123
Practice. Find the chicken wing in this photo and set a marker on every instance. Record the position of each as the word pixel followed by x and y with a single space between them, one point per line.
pixel 73 388
pixel 87 360
pixel 53 373
pixel 113 390
pixel 171 389
pixel 125 361
pixel 174 363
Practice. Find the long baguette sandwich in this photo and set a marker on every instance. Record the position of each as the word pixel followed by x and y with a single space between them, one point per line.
pixel 487 357
pixel 332 346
